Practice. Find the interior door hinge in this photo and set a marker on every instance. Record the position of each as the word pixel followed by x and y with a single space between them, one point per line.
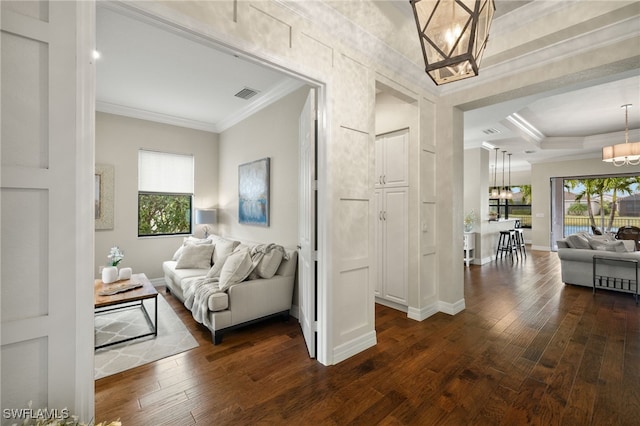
pixel 314 255
pixel 314 326
pixel 314 185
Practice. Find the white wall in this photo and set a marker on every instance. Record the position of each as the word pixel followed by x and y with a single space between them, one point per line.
pixel 273 133
pixel 118 140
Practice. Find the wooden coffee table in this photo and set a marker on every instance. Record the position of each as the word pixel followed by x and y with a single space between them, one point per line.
pixel 127 300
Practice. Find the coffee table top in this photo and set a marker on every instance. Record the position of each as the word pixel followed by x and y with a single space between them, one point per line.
pixel 147 291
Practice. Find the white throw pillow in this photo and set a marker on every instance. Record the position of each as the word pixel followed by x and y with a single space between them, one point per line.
pixel 190 240
pixel 216 269
pixel 269 264
pixel 195 256
pixel 236 268
pixel 223 249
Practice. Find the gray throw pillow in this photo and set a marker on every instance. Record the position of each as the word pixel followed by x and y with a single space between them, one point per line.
pixel 195 256
pixel 269 264
pixel 578 241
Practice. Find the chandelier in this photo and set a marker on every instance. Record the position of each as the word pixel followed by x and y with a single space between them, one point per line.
pixel 453 35
pixel 623 153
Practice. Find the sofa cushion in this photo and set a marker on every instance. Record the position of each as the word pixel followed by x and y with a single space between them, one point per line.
pixel 190 240
pixel 195 256
pixel 236 268
pixel 578 241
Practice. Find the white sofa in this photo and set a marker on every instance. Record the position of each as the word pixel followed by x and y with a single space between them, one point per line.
pixel 242 303
pixel 576 258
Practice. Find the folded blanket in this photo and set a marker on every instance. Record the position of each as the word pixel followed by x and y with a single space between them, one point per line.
pixel 196 297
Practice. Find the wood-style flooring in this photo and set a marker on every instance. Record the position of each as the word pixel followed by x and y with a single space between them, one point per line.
pixel 526 350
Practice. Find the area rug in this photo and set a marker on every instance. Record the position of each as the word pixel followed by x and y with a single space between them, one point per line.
pixel 173 338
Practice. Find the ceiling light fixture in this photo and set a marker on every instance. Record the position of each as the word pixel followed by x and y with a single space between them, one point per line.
pixel 495 193
pixel 623 153
pixel 509 193
pixel 503 189
pixel 453 35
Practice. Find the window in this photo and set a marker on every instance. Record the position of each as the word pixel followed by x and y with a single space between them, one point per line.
pixel 600 204
pixel 518 207
pixel 165 193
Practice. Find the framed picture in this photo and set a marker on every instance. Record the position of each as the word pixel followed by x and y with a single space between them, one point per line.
pixel 104 196
pixel 253 192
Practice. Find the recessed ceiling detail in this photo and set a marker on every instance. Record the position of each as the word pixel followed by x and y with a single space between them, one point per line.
pixel 491 131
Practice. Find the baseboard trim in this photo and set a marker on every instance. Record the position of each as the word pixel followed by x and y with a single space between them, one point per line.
pixel 355 346
pixel 421 314
pixel 541 248
pixel 295 311
pixel 451 308
pixel 390 304
pixel 157 282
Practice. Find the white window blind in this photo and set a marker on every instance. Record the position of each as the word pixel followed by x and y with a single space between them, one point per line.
pixel 165 172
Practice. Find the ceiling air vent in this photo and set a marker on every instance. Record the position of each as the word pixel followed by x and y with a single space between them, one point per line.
pixel 246 93
pixel 491 131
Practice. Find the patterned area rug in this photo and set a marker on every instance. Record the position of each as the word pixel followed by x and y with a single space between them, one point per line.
pixel 173 338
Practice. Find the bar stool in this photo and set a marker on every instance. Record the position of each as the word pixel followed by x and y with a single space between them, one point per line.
pixel 507 244
pixel 520 245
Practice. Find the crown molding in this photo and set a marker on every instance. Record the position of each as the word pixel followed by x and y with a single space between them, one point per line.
pixel 267 98
pixel 142 114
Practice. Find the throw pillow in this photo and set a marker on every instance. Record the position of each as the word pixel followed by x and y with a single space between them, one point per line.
pixel 216 269
pixel 236 268
pixel 269 264
pixel 614 246
pixel 190 240
pixel 195 256
pixel 223 249
pixel 578 241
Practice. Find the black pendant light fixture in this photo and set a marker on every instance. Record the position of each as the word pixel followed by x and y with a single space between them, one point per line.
pixel 453 35
pixel 495 193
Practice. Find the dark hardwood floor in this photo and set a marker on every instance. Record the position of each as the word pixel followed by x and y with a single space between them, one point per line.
pixel 526 350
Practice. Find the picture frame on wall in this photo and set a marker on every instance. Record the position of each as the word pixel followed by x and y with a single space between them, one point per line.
pixel 253 192
pixel 103 181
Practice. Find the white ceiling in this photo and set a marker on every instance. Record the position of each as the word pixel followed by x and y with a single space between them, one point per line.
pixel 148 72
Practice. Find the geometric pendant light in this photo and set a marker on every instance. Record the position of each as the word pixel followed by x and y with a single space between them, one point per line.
pixel 453 36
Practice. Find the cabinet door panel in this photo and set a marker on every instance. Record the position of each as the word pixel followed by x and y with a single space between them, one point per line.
pixel 379 200
pixel 396 264
pixel 396 159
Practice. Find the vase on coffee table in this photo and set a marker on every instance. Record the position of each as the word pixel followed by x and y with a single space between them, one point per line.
pixel 109 274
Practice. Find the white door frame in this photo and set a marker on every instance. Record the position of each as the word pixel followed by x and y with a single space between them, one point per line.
pixel 146 13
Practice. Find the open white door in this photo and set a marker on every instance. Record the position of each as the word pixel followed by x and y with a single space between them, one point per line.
pixel 307 223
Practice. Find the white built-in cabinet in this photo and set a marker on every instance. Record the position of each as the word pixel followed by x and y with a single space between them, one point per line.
pixel 392 220
pixel 392 159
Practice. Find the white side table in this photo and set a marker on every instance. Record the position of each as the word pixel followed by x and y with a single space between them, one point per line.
pixel 469 246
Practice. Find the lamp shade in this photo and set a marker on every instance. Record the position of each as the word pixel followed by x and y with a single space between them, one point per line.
pixel 453 36
pixel 206 216
pixel 622 153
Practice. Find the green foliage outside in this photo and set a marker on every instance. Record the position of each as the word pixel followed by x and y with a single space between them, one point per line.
pixel 596 188
pixel 164 214
pixel 577 209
